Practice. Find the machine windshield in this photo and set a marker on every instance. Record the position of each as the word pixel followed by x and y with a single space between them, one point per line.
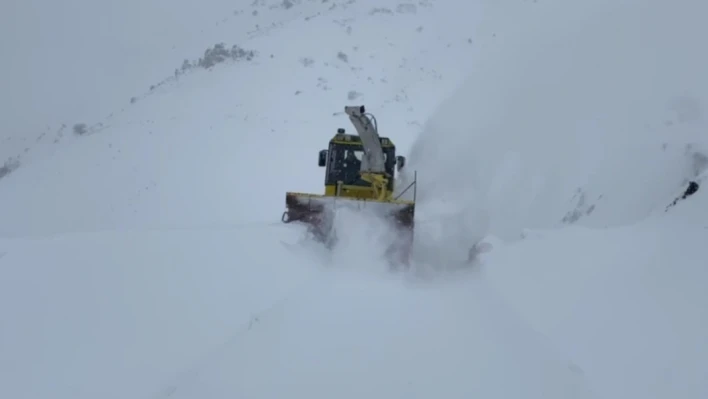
pixel 347 162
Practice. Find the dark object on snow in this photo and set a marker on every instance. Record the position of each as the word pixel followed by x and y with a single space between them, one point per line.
pixel 690 190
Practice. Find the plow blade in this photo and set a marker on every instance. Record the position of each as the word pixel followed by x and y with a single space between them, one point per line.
pixel 318 212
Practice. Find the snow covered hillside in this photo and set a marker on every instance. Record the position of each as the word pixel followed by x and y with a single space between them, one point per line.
pixel 142 254
pixel 590 115
pixel 182 141
pixel 306 52
pixel 584 113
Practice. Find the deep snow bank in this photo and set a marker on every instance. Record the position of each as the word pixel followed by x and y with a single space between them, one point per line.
pixel 118 314
pixel 582 112
pixel 353 336
pixel 626 304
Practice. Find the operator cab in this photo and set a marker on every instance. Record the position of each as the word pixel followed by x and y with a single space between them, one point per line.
pixel 345 155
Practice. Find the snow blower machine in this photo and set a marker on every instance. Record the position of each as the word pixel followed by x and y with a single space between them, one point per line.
pixel 359 175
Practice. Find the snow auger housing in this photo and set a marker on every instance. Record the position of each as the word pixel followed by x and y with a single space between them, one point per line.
pixel 359 174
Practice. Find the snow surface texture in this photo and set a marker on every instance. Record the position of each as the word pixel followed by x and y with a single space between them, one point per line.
pixel 142 254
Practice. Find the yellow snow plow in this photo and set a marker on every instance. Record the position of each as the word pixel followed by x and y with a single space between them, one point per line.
pixel 359 174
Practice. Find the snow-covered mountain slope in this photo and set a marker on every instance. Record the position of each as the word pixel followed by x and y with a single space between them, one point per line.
pixel 602 125
pixel 188 152
pixel 306 51
pixel 590 113
pixel 166 272
pixel 89 62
